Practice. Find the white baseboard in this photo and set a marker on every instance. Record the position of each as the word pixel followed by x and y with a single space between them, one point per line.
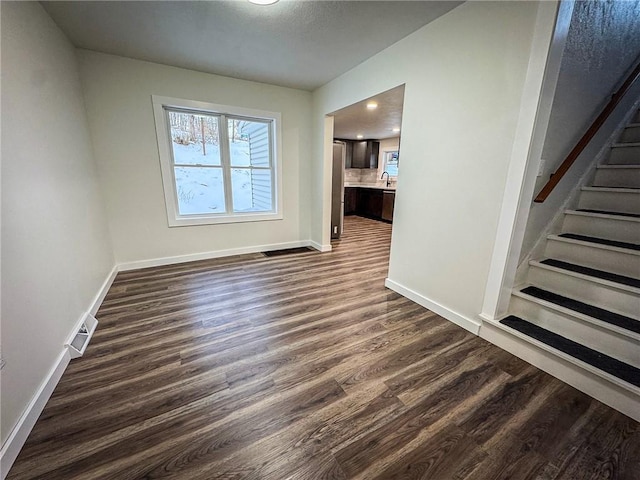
pixel 595 386
pixel 21 431
pixel 318 246
pixel 192 257
pixel 106 285
pixel 18 436
pixel 460 320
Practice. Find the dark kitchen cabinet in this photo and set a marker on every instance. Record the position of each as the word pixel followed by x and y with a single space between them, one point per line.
pixel 361 154
pixel 369 202
pixel 348 150
pixel 388 200
pixel 365 154
pixel 350 200
pixel 373 152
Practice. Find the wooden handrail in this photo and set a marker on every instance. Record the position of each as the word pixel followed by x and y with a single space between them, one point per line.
pixel 588 135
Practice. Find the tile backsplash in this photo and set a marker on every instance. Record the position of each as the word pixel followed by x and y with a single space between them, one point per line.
pixel 352 175
pixel 369 176
pixel 363 175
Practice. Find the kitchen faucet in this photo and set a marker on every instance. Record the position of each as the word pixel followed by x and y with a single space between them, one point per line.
pixel 388 179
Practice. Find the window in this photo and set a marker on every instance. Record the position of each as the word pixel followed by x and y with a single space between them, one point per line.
pixel 219 163
pixel 391 163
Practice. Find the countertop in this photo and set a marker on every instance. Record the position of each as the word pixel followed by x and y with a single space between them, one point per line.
pixel 370 185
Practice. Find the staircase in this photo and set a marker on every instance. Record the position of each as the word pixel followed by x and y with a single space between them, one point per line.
pixel 581 303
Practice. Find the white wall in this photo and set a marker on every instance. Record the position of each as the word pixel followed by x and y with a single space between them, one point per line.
pixel 603 41
pixel 464 76
pixel 118 97
pixel 56 251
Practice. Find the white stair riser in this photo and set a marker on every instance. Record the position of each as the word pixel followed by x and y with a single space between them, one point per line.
pixel 600 385
pixel 630 135
pixel 624 202
pixel 603 296
pixel 615 261
pixel 610 228
pixel 618 177
pixel 624 156
pixel 610 343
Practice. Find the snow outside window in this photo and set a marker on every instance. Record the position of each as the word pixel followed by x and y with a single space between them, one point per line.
pixel 218 162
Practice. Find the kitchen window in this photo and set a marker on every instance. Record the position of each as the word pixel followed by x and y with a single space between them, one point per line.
pixel 219 163
pixel 391 163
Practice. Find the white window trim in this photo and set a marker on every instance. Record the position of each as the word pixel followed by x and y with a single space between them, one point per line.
pixel 384 160
pixel 166 161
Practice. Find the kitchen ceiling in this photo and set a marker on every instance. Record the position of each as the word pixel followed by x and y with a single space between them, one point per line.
pixel 378 123
pixel 293 43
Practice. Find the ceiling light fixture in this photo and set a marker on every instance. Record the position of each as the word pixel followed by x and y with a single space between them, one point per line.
pixel 359 137
pixel 263 2
pixel 372 105
pixel 396 130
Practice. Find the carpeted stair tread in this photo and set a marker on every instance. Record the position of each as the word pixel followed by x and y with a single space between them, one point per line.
pixel 601 241
pixel 595 312
pixel 592 272
pixel 622 370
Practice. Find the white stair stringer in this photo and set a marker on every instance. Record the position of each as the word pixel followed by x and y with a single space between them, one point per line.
pixel 600 385
pixel 621 176
pixel 622 261
pixel 612 296
pixel 611 340
pixel 566 319
pixel 622 200
pixel 601 225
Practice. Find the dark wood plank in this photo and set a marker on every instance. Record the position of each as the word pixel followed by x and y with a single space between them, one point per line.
pixel 305 367
pixel 438 457
pixel 612 450
pixel 393 435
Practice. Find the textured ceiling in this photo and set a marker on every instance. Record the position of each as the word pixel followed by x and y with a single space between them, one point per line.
pixel 300 44
pixel 357 119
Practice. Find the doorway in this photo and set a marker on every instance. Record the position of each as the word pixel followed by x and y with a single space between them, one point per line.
pixel 366 158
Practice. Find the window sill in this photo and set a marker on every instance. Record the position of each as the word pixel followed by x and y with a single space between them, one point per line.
pixel 187 221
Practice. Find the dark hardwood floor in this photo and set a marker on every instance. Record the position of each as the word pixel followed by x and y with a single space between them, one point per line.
pixel 304 366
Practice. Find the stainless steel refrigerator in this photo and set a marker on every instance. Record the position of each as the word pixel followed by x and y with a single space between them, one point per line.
pixel 337 189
